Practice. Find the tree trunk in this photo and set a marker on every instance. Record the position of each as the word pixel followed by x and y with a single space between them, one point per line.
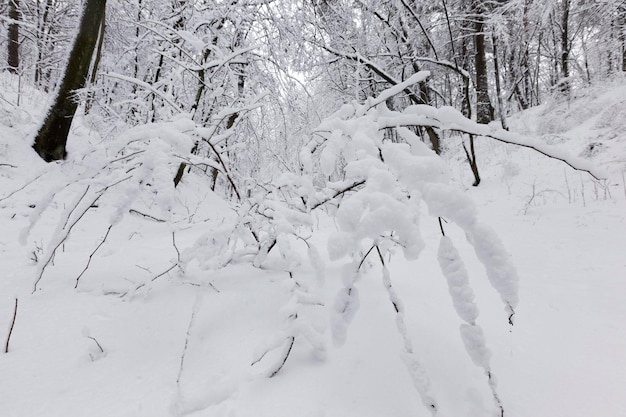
pixel 564 84
pixel 621 28
pixel 51 138
pixel 96 65
pixel 498 87
pixel 484 112
pixel 43 33
pixel 13 53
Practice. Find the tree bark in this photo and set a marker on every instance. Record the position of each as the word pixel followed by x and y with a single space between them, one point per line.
pixel 484 112
pixel 13 53
pixel 564 84
pixel 498 87
pixel 621 27
pixel 96 65
pixel 44 30
pixel 51 138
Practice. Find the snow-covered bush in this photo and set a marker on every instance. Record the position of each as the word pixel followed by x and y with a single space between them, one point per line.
pixel 375 189
pixel 379 198
pixel 131 174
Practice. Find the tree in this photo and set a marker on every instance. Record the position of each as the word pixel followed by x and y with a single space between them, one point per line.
pixel 47 25
pixel 484 110
pixel 622 33
pixel 51 138
pixel 13 55
pixel 565 47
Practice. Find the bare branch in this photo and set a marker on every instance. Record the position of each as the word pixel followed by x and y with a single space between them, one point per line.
pixel 91 256
pixel 337 194
pixel 448 118
pixel 147 216
pixel 290 341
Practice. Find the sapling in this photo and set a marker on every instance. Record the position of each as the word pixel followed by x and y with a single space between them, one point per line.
pixel 6 345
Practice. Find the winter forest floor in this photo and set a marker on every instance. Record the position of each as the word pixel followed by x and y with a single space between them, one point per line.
pixel 130 342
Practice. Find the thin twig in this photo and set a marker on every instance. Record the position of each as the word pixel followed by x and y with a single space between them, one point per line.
pixel 97 343
pixel 192 317
pixel 91 256
pixel 175 247
pixel 6 346
pixel 226 172
pixel 147 216
pixel 441 220
pixel 494 392
pixel 338 193
pixel 21 188
pixel 140 286
pixel 67 231
pixel 165 272
pixel 291 342
pixel 365 257
pixel 67 228
pixel 420 379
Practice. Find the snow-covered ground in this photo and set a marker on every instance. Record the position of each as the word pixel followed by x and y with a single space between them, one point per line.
pixel 131 341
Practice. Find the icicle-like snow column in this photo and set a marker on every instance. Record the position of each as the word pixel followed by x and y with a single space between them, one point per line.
pixel 448 202
pixel 463 300
pixel 418 374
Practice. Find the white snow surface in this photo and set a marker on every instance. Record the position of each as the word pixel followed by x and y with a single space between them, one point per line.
pixel 129 341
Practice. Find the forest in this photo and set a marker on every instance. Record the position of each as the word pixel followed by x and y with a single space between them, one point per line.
pixel 316 208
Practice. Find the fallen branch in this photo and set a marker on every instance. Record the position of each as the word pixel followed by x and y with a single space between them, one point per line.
pixel 147 216
pixel 140 286
pixel 95 356
pixel 192 317
pixel 6 346
pixel 97 343
pixel 21 188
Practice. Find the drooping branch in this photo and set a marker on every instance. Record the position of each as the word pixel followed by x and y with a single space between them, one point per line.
pixel 415 98
pixel 448 118
pixel 375 68
pixel 91 256
pixel 338 194
pixel 74 215
pixel 149 87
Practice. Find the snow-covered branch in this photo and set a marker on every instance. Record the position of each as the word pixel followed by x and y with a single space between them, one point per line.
pixel 448 118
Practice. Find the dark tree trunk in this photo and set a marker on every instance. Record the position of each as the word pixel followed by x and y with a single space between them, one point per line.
pixel 96 65
pixel 621 28
pixel 527 90
pixel 52 136
pixel 13 53
pixel 564 84
pixel 484 112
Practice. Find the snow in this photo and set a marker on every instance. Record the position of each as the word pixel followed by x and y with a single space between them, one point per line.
pixel 183 343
